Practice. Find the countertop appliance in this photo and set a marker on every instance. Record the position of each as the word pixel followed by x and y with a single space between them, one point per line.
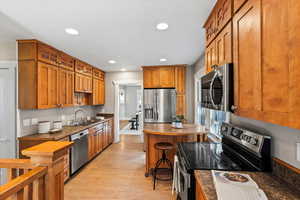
pixel 79 151
pixel 217 88
pixel 159 105
pixel 240 150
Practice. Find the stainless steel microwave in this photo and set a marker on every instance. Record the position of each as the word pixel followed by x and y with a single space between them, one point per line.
pixel 217 88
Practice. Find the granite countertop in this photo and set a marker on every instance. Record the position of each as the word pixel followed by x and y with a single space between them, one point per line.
pixel 168 130
pixel 272 186
pixel 66 131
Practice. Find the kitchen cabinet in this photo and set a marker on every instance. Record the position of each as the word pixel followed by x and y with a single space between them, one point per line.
pixel 247 60
pixel 237 4
pixel 46 78
pixel 159 77
pixel 167 77
pixel 217 20
pixel 66 88
pixel 223 46
pixel 199 192
pixel 180 78
pixel 66 158
pixel 210 57
pixel 66 62
pixel 83 83
pixel 47 85
pixel 151 77
pixel 98 97
pixel 83 68
pixel 47 54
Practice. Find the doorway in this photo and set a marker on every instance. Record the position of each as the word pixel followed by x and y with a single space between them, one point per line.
pixel 130 109
pixel 124 116
pixel 7 113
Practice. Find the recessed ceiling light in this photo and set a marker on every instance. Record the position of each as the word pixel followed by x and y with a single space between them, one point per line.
pixel 163 60
pixel 71 31
pixel 112 61
pixel 162 26
pixel 123 69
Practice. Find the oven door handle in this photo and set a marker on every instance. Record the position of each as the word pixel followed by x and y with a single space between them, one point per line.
pixel 211 90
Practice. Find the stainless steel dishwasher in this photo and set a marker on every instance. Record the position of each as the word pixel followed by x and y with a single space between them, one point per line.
pixel 79 151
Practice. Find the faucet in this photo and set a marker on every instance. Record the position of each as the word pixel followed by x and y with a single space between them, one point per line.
pixel 76 112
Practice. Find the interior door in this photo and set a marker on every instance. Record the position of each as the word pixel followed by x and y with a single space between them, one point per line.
pixel 7 114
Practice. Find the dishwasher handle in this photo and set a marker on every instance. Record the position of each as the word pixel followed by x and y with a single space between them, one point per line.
pixel 79 135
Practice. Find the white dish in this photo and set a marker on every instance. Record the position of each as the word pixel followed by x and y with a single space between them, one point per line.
pixel 55 130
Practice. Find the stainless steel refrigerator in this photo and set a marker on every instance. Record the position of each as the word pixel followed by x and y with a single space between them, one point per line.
pixel 159 105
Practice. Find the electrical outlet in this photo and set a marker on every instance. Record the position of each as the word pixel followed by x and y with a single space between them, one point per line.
pixel 298 151
pixel 34 121
pixel 26 122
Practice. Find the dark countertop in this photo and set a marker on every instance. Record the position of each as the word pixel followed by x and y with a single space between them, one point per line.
pixel 66 131
pixel 273 187
pixel 168 130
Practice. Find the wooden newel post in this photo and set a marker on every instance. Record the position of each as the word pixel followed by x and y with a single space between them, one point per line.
pixel 50 154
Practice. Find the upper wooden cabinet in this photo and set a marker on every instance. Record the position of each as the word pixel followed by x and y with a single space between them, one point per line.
pixel 47 54
pixel 66 88
pixel 47 86
pixel 159 77
pixel 247 59
pixel 219 17
pixel 65 61
pixel 98 97
pixel 223 46
pixel 167 77
pixel 180 74
pixel 83 83
pixel 47 78
pixel 83 68
pixel 238 4
pixel 151 77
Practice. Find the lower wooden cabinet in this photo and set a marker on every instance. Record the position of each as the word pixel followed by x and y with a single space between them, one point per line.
pixel 199 193
pixel 99 140
pixel 66 173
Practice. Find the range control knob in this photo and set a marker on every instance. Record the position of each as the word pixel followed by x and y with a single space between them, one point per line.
pixel 253 141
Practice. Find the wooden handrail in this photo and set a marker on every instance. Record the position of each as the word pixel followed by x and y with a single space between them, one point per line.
pixel 20 182
pixel 17 164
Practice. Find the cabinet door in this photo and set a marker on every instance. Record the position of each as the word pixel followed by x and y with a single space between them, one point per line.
pixel 210 28
pixel 47 86
pixel 237 4
pixel 101 92
pixel 247 59
pixel 180 73
pixel 210 56
pixel 67 62
pixel 66 88
pixel 167 77
pixel 223 44
pixel 151 77
pixel 78 83
pixel 47 54
pixel 223 13
pixel 180 105
pixel 96 91
pixel 88 84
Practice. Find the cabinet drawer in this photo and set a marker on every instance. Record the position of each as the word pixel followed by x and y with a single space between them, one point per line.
pixel 47 54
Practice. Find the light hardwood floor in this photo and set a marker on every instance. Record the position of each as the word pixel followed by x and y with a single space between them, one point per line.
pixel 123 123
pixel 117 173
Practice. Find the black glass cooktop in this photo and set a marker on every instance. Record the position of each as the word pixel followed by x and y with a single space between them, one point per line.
pixel 206 156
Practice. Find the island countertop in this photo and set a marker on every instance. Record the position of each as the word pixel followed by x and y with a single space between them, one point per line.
pixel 167 129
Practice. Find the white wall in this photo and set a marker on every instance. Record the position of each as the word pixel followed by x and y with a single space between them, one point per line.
pixel 283 139
pixel 8 50
pixel 190 94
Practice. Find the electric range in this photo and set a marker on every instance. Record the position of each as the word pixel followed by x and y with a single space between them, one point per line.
pixel 240 150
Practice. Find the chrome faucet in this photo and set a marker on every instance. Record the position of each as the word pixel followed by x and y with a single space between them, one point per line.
pixel 76 112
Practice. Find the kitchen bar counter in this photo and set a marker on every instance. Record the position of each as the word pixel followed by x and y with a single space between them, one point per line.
pixel 272 186
pixel 154 133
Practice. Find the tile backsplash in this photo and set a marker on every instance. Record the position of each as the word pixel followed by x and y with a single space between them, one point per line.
pixel 57 114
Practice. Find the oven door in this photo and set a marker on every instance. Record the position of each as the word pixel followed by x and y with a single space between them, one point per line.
pixel 183 181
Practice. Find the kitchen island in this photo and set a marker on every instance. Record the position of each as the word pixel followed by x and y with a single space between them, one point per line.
pixel 154 133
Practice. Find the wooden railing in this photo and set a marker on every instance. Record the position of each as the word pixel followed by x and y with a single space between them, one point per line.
pixel 38 178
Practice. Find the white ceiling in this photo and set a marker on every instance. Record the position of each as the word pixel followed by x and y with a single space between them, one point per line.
pixel 121 30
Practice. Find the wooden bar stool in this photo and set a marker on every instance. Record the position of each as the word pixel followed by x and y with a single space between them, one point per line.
pixel 163 146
